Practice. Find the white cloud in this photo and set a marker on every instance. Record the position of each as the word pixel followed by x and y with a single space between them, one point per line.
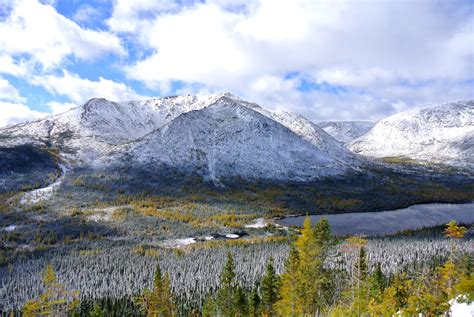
pixel 8 92
pixel 60 107
pixel 79 90
pixel 13 113
pixel 85 13
pixel 9 66
pixel 128 16
pixel 370 48
pixel 47 37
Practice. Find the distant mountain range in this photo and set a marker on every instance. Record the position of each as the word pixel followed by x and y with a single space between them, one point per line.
pixel 220 135
pixel 346 131
pixel 441 133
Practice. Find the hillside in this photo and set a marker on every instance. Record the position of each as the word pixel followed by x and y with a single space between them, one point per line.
pixel 346 131
pixel 229 139
pixel 441 133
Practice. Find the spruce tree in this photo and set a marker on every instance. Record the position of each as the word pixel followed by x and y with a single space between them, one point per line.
pixel 159 301
pixel 227 297
pixel 377 282
pixel 254 303
pixel 269 289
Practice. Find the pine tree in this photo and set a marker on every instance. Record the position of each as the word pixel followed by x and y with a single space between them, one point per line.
pixel 269 289
pixel 241 303
pixel 255 303
pixel 159 301
pixel 209 307
pixel 377 282
pixel 229 295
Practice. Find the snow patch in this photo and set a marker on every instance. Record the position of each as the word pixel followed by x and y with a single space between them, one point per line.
pixel 258 223
pixel 232 236
pixel 10 228
pixel 176 243
pixel 103 214
pixel 461 309
pixel 45 193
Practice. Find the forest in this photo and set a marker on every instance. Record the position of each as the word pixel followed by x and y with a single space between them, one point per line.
pixel 317 275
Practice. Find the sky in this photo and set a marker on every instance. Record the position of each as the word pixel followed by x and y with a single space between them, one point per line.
pixel 326 60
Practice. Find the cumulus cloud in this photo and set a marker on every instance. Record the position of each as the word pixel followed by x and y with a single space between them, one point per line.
pixel 60 107
pixel 328 59
pixel 127 15
pixel 46 37
pixel 79 90
pixel 13 113
pixel 8 92
pixel 9 66
pixel 85 13
pixel 367 48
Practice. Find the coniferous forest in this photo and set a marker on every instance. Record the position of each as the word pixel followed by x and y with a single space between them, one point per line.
pixel 318 274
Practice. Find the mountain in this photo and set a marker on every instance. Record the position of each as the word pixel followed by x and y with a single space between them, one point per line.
pixel 346 131
pixel 233 138
pixel 304 128
pixel 217 135
pixel 86 132
pixel 441 133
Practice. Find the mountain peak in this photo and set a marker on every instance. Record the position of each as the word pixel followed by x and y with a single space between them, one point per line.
pixel 440 133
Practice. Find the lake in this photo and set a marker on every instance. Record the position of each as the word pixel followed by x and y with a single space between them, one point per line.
pixel 390 222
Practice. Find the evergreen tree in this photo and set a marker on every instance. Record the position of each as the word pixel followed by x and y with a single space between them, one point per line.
pixel 377 282
pixel 254 303
pixel 305 280
pixel 209 307
pixel 230 297
pixel 241 303
pixel 159 301
pixel 269 289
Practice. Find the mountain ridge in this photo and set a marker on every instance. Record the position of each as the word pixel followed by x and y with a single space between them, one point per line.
pixel 439 133
pixel 227 139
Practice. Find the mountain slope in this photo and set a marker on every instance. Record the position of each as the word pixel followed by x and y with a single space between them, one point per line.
pixel 85 132
pixel 305 129
pixel 228 139
pixel 442 133
pixel 346 131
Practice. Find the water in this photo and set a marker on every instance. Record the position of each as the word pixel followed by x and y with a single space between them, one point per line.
pixel 389 222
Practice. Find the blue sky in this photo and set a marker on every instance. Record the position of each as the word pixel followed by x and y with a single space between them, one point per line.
pixel 327 60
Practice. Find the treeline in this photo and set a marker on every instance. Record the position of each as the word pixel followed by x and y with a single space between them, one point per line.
pixel 306 286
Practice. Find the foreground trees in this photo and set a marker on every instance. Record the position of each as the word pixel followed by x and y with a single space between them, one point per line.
pixel 428 292
pixel 306 280
pixel 157 302
pixel 55 301
pixel 306 287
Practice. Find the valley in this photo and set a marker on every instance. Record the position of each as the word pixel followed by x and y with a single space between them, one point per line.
pixel 107 191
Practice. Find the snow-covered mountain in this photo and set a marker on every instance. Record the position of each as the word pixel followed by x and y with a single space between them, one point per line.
pixel 441 133
pixel 217 135
pixel 346 131
pixel 230 138
pixel 88 131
